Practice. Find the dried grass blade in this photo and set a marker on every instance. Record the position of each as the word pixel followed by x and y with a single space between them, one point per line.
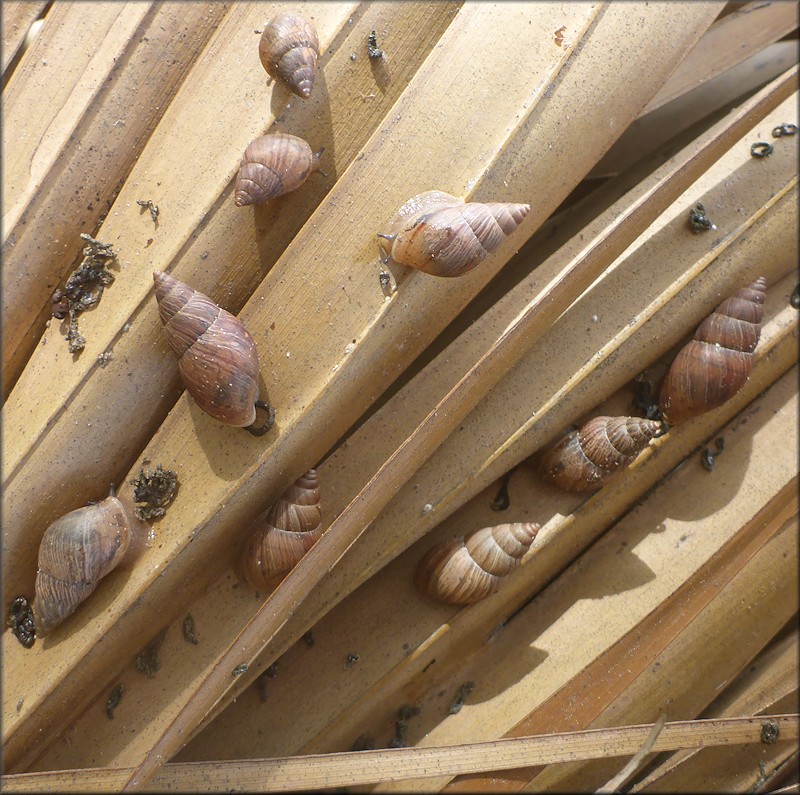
pixel 768 685
pixel 292 774
pixel 636 762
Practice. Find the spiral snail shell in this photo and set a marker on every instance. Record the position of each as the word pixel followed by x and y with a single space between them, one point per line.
pixel 715 365
pixel 217 357
pixel 289 48
pixel 584 459
pixel 273 165
pixel 76 552
pixel 464 570
pixel 281 535
pixel 441 235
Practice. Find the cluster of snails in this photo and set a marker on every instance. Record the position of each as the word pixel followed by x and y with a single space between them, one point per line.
pixel 433 232
pixel 218 362
pixel 276 164
pixel 706 373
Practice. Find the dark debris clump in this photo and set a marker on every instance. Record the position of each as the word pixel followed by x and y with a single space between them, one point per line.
pixel 148 660
pixel 372 46
pixel 84 288
pixel 698 220
pixel 189 633
pixel 645 401
pixel 462 693
pixel 114 699
pixel 21 622
pixel 155 489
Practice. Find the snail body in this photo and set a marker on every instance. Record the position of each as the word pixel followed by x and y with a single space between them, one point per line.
pixel 584 459
pixel 441 235
pixel 281 535
pixel 466 569
pixel 289 48
pixel 716 364
pixel 77 551
pixel 271 166
pixel 217 357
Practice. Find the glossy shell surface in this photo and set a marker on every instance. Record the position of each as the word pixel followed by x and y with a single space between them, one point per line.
pixel 217 358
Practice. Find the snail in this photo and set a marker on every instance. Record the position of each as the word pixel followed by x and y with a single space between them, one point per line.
pixel 715 365
pixel 281 535
pixel 584 459
pixel 76 552
pixel 289 48
pixel 273 165
pixel 464 570
pixel 83 546
pixel 217 357
pixel 441 235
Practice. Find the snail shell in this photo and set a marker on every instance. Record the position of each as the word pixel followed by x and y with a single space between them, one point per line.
pixel 289 49
pixel 217 357
pixel 283 533
pixel 76 552
pixel 441 235
pixel 584 459
pixel 464 570
pixel 715 365
pixel 273 165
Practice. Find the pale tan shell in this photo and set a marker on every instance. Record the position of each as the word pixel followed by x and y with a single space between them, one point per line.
pixel 283 534
pixel 271 166
pixel 289 48
pixel 217 357
pixel 464 570
pixel 716 364
pixel 76 552
pixel 441 235
pixel 584 459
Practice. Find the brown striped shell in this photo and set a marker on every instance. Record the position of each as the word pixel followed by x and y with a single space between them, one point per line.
pixel 283 534
pixel 441 235
pixel 289 49
pixel 464 570
pixel 76 552
pixel 716 364
pixel 584 459
pixel 271 166
pixel 217 357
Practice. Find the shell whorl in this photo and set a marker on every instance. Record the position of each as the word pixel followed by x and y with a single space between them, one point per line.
pixel 281 535
pixel 289 48
pixel 217 357
pixel 273 165
pixel 716 363
pixel 464 570
pixel 77 551
pixel 443 236
pixel 584 459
